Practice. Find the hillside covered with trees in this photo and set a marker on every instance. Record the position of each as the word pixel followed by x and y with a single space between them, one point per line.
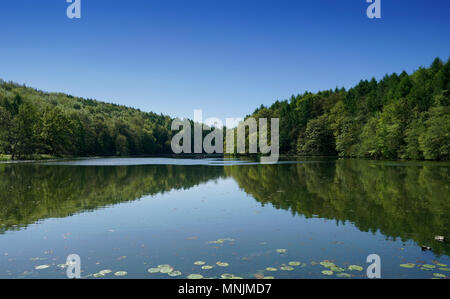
pixel 399 117
pixel 402 116
pixel 34 122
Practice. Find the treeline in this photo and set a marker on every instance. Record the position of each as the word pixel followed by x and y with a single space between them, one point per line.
pixel 399 117
pixel 33 123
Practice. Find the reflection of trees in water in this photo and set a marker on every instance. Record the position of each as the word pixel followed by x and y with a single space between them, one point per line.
pixel 32 192
pixel 401 202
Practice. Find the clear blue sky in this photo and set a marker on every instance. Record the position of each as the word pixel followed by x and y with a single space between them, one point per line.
pixel 226 57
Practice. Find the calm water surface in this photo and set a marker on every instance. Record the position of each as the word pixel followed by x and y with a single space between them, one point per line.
pixel 137 213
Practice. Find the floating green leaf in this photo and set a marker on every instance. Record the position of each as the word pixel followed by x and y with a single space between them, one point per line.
pixel 174 273
pixel 216 242
pixel 327 272
pixel 355 268
pixel 207 267
pixel 166 270
pixel 222 264
pixel 164 266
pixel 425 269
pixel 295 263
pixel 199 263
pixel 439 275
pixel 120 273
pixel 444 269
pixel 286 268
pixel 227 276
pixel 327 264
pixel 268 277
pixel 105 272
pixel 281 250
pixel 337 269
pixel 408 265
pixel 428 266
pixel 154 270
pixel 271 269
pixel 221 241
pixel 194 276
pixel 41 267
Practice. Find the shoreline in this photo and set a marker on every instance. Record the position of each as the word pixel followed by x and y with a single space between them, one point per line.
pixel 46 158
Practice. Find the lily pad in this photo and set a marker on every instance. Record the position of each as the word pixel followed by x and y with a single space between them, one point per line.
pixel 154 270
pixel 408 265
pixel 327 264
pixel 166 270
pixel 268 277
pixel 228 239
pixel 428 266
pixel 425 269
pixel 220 241
pixel 337 269
pixel 327 272
pixel 286 268
pixel 194 276
pixel 439 275
pixel 120 273
pixel 281 250
pixel 295 263
pixel 355 268
pixel 271 269
pixel 207 267
pixel 444 269
pixel 41 267
pixel 174 273
pixel 222 264
pixel 227 276
pixel 105 272
pixel 199 263
pixel 164 266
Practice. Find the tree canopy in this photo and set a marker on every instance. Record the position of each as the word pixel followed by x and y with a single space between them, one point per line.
pixel 399 117
pixel 402 116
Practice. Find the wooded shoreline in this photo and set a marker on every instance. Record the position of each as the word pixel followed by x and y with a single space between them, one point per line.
pixel 404 117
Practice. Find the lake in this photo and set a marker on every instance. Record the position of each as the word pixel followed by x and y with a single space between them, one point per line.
pixel 316 218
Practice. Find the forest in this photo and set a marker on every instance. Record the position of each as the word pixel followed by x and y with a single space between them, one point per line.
pixel 34 123
pixel 401 116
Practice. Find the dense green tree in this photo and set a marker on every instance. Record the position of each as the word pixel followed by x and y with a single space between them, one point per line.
pixel 33 122
pixel 318 138
pixel 23 141
pixel 434 141
pixel 56 132
pixel 399 117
